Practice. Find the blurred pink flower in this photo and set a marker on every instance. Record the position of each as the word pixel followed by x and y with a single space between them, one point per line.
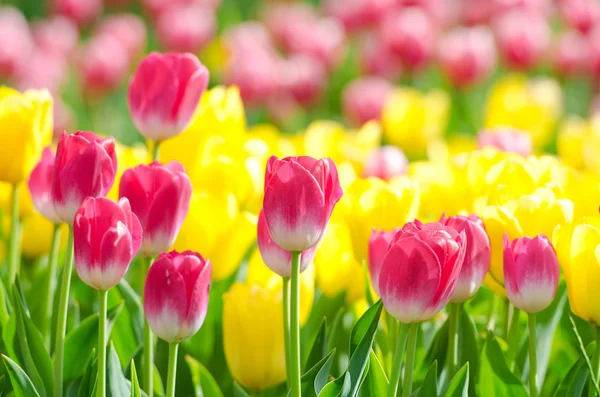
pixel 363 99
pixel 185 28
pixel 357 14
pixel 582 15
pixel 385 163
pixel 16 42
pixel 156 7
pixel 129 29
pixel 101 73
pixel 57 35
pixel 506 139
pixel 42 70
pixel 302 78
pixel 254 72
pixel 571 53
pixel 82 12
pixel 377 59
pixel 523 38
pixel 475 12
pixel 63 118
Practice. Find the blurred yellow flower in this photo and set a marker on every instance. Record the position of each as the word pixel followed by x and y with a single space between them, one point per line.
pixel 37 234
pixel 25 203
pixel 412 119
pixel 578 142
pixel 583 189
pixel 127 157
pixel 26 120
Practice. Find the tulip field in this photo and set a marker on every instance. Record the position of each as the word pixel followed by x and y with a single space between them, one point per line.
pixel 287 198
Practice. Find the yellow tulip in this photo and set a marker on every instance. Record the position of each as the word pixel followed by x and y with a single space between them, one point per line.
pixel 26 120
pixel 578 142
pixel 412 119
pixel 37 234
pixel 127 157
pixel 583 189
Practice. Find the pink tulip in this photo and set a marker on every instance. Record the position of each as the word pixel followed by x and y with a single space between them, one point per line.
pixel 571 55
pixel 507 140
pixel 85 166
pixel 541 7
pixel 385 163
pixel 80 12
pixel 129 30
pixel 40 186
pixel 357 14
pixel 582 15
pixel 255 73
pixel 101 74
pixel 531 272
pixel 57 35
pixel 439 10
pixel 420 270
pixel 107 235
pixel 248 37
pixel 156 7
pixel 477 255
pixel 378 246
pixel 377 59
pixel 176 294
pixel 275 257
pixel 186 28
pixel 467 55
pixel 523 38
pixel 160 197
pixel 300 194
pixel 16 43
pixel 282 19
pixel 164 93
pixel 302 78
pixel 364 98
pixel 476 12
pixel 43 70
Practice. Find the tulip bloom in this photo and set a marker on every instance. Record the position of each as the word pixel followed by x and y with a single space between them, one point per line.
pixel 507 140
pixel 160 197
pixel 85 166
pixel 40 186
pixel 300 194
pixel 275 257
pixel 101 74
pixel 477 255
pixel 420 270
pixel 378 246
pixel 107 235
pixel 531 272
pixel 164 92
pixel 16 43
pixel 81 12
pixel 364 98
pixel 176 294
pixel 186 28
pixel 385 163
pixel 522 37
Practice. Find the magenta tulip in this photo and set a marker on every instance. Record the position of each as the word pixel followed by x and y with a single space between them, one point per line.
pixel 571 55
pixel 300 194
pixel 477 255
pixel 507 140
pixel 129 29
pixel 385 163
pixel 531 272
pixel 40 186
pixel 176 295
pixel 186 28
pixel 364 98
pixel 85 166
pixel 420 270
pixel 523 38
pixel 107 235
pixel 160 197
pixel 302 78
pixel 582 15
pixel 378 246
pixel 164 93
pixel 81 12
pixel 101 74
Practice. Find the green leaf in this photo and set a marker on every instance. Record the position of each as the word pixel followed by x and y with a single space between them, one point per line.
pixel 573 384
pixel 364 326
pixel 135 384
pixel 88 382
pixel 459 385
pixel 317 377
pixel 205 384
pixel 22 385
pixel 429 387
pixel 319 347
pixel 81 340
pixel 238 391
pixel 134 306
pixel 117 384
pixel 376 382
pixel 495 379
pixel 36 359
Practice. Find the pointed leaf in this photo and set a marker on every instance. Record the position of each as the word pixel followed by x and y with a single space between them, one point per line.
pixel 88 382
pixel 429 387
pixel 573 384
pixel 135 384
pixel 22 385
pixel 459 385
pixel 238 391
pixel 204 382
pixel 319 347
pixel 364 325
pixel 117 384
pixel 495 379
pixel 376 382
pixel 135 309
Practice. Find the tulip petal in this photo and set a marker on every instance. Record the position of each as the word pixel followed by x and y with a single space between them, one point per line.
pixel 197 298
pixel 116 253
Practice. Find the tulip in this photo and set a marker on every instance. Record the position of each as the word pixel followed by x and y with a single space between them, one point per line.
pixel 377 59
pixel 364 98
pixel 385 163
pixel 16 43
pixel 507 140
pixel 43 70
pixel 582 15
pixel 257 80
pixel 163 109
pixel 128 29
pixel 127 157
pixel 186 28
pixel 81 12
pixel 379 243
pixel 357 14
pixel 160 197
pixel 571 54
pixel 101 74
pixel 56 35
pixel 85 166
pixel 302 78
pixel 40 186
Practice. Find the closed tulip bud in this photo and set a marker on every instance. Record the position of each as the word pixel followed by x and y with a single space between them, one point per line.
pixel 276 258
pixel 176 295
pixel 85 166
pixel 128 29
pixel 378 246
pixel 186 28
pixel 571 54
pixel 300 194
pixel 531 272
pixel 523 38
pixel 385 163
pixel 364 98
pixel 16 43
pixel 107 235
pixel 101 74
pixel 582 15
pixel 506 139
pixel 164 92
pixel 356 14
pixel 80 12
pixel 160 197
pixel 420 270
pixel 57 35
pixel 477 255
pixel 40 186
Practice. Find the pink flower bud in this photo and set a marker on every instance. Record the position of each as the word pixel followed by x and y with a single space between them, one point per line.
pixel 582 15
pixel 128 29
pixel 356 14
pixel 377 59
pixel 300 194
pixel 303 78
pixel 378 246
pixel 85 166
pixel 477 255
pixel 107 235
pixel 101 74
pixel 16 43
pixel 523 38
pixel 164 93
pixel 571 54
pixel 410 34
pixel 506 139
pixel 531 272
pixel 385 163
pixel 57 35
pixel 364 98
pixel 80 12
pixel 176 295
pixel 275 257
pixel 160 197
pixel 185 28
pixel 40 186
pixel 255 73
pixel 467 55
pixel 420 270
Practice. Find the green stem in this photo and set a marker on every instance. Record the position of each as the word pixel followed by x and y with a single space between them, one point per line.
pixel 397 364
pixel 410 360
pixel 286 328
pixel 295 326
pixel 61 320
pixel 491 323
pixel 49 287
pixel 148 354
pixel 172 374
pixel 453 320
pixel 513 336
pixel 595 366
pixel 14 241
pixel 533 391
pixel 155 150
pixel 102 344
